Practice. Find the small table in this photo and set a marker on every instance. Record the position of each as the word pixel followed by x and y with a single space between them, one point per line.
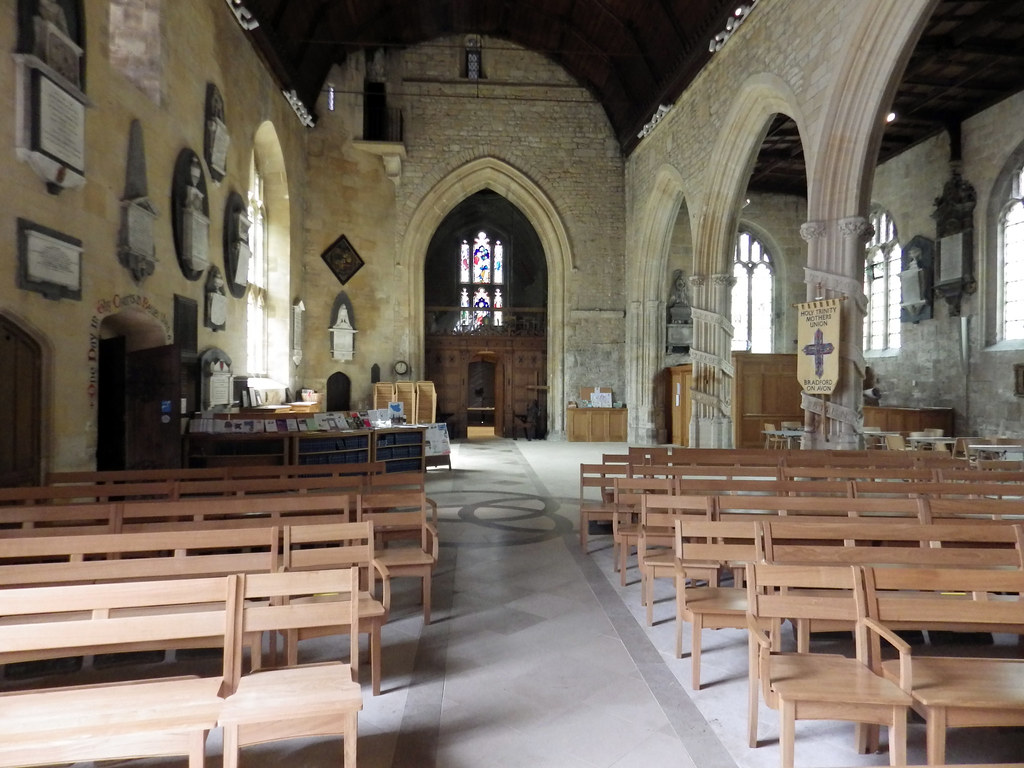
pixel 789 435
pixel 929 442
pixel 997 451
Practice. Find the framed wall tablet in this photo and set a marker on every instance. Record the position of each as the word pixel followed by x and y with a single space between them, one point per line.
pixel 190 212
pixel 49 262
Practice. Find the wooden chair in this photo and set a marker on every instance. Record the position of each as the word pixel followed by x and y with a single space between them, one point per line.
pixel 626 495
pixel 896 443
pixel 772 438
pixel 819 686
pixel 953 691
pixel 298 701
pixel 597 494
pixel 339 545
pixel 398 554
pixel 702 549
pixel 656 545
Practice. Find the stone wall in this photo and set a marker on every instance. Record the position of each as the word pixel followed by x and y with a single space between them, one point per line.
pixel 208 45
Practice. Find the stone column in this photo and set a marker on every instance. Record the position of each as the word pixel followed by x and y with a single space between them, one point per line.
pixel 835 261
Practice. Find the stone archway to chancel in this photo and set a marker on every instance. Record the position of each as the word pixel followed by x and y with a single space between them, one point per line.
pixel 539 210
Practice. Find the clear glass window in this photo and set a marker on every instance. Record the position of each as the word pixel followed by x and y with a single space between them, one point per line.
pixel 752 315
pixel 882 266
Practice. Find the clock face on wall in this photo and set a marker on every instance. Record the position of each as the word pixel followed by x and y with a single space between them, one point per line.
pixel 401 367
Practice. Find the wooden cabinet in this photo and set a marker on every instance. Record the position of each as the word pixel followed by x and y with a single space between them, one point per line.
pixel 766 391
pixel 906 420
pixel 226 450
pixel 596 425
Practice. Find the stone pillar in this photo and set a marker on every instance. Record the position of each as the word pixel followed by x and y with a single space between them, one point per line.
pixel 645 322
pixel 835 261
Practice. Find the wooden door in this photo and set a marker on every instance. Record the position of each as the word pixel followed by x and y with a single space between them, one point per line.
pixel 680 403
pixel 766 390
pixel 152 404
pixel 20 407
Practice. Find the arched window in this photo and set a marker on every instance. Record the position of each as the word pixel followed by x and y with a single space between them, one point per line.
pixel 481 282
pixel 1011 263
pixel 882 284
pixel 752 316
pixel 256 295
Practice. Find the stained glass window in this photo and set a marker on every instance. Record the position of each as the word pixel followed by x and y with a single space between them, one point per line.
pixel 481 269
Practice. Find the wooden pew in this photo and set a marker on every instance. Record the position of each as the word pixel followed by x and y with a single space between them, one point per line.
pixel 765 507
pixel 976 489
pixel 626 495
pixel 134 718
pixel 953 692
pixel 72 494
pixel 238 511
pixel 124 557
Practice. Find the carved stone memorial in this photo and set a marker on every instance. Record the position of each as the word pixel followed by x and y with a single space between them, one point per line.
pixel 217 141
pixel 136 248
pixel 191 215
pixel 236 245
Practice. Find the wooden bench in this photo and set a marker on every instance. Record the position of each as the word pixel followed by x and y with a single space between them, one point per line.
pixel 939 489
pixel 758 507
pixel 953 692
pixel 170 716
pixel 89 558
pixel 136 718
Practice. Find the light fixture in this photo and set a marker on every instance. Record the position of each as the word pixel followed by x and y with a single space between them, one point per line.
pixel 244 16
pixel 731 25
pixel 890 117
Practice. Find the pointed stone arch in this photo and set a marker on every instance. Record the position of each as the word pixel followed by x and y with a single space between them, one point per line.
pixel 846 151
pixel 645 326
pixel 523 192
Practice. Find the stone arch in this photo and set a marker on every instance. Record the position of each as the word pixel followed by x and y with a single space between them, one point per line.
pixel 268 152
pixel 645 326
pixel 732 159
pixel 838 199
pixel 523 192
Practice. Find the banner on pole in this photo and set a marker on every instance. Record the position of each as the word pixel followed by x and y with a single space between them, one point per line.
pixel 817 366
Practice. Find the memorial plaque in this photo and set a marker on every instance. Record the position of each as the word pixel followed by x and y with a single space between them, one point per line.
pixel 59 127
pixel 50 262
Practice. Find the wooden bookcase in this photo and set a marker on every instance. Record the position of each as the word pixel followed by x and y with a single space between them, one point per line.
pixel 331 448
pixel 226 450
pixel 402 449
pixel 596 425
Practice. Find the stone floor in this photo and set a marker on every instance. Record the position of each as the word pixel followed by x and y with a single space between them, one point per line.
pixel 536 657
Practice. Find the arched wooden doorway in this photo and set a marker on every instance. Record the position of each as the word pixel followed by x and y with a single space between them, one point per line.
pixel 139 395
pixel 20 406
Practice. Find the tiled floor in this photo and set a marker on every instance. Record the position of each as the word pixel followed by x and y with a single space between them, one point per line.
pixel 536 656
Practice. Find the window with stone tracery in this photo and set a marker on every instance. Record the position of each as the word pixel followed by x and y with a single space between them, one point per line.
pixel 882 265
pixel 752 315
pixel 481 282
pixel 1011 263
pixel 256 293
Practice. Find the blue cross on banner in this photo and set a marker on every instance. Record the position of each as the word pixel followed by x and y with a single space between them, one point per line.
pixel 819 349
pixel 817 366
